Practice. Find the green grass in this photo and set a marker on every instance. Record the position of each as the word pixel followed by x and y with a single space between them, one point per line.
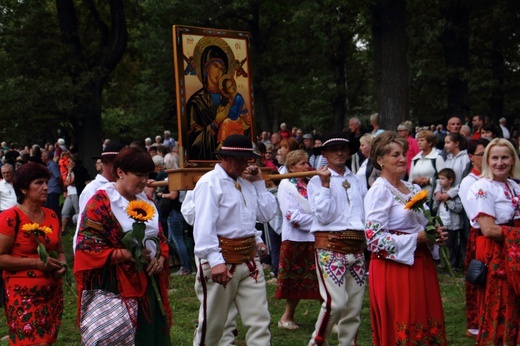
pixel 185 310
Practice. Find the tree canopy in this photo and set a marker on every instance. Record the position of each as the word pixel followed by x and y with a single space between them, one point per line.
pixel 92 69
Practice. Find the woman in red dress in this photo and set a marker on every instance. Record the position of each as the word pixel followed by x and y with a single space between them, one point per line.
pixel 495 201
pixel 33 289
pixel 405 300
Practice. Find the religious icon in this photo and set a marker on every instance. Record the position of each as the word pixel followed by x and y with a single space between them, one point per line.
pixel 214 89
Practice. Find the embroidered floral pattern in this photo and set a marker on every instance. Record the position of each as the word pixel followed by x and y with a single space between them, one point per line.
pixel 480 194
pixel 302 189
pixel 378 241
pixel 293 223
pixel 34 313
pixel 420 334
pixel 335 266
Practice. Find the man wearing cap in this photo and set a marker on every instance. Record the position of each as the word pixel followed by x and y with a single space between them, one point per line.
pixel 308 144
pixel 107 157
pixel 336 200
pixel 227 202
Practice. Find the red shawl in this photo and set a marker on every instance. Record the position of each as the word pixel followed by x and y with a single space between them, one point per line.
pixel 98 239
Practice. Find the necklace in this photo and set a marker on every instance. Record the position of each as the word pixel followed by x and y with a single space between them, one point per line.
pixel 401 193
pixel 28 213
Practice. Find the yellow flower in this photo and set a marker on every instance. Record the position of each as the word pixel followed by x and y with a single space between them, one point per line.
pixel 140 210
pixel 417 201
pixel 35 227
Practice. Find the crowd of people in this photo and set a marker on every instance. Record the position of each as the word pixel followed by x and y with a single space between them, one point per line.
pixel 340 222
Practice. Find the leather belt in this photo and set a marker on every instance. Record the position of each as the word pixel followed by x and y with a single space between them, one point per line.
pixel 238 250
pixel 346 242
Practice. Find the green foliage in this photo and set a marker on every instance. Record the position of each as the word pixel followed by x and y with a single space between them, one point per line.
pixel 312 64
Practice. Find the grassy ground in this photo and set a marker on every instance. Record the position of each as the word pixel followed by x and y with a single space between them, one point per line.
pixel 185 308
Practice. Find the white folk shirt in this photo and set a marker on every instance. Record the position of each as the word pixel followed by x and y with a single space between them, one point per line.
pixel 220 209
pixel 7 195
pixel 464 186
pixel 333 211
pixel 296 213
pixel 496 199
pixel 385 212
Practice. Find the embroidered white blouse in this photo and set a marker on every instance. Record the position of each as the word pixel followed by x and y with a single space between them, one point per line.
pixel 464 186
pixel 496 199
pixel 335 209
pixel 385 212
pixel 220 209
pixel 296 213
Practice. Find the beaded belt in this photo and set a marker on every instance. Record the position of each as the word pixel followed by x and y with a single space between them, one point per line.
pixel 238 250
pixel 345 242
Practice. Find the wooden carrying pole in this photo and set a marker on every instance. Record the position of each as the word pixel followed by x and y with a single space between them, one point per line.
pixel 186 178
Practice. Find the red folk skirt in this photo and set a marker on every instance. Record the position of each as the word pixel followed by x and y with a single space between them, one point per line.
pixel 499 306
pixel 297 277
pixel 472 291
pixel 405 301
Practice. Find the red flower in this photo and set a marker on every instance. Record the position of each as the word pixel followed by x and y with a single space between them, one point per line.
pixel 401 335
pixel 370 233
pixel 434 330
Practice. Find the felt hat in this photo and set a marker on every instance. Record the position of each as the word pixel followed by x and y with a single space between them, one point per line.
pixel 237 145
pixel 111 150
pixel 337 138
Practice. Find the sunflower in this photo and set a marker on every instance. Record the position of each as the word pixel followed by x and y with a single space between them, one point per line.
pixel 140 210
pixel 417 201
pixel 36 228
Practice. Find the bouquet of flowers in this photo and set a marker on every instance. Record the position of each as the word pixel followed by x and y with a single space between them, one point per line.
pixel 416 203
pixel 42 231
pixel 135 241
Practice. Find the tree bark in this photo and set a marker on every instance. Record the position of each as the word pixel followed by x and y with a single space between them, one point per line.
pixel 390 61
pixel 455 44
pixel 89 72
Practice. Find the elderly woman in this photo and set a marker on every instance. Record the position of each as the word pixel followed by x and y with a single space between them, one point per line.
pixel 494 206
pixel 427 163
pixel 297 271
pixel 405 300
pixel 107 272
pixel 33 289
pixel 366 171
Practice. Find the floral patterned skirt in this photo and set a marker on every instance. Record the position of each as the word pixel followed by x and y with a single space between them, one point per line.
pixel 499 305
pixel 472 291
pixel 405 302
pixel 297 271
pixel 33 309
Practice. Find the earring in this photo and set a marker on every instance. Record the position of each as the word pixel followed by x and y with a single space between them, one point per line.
pixel 382 165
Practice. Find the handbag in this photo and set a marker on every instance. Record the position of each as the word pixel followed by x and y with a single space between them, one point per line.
pixel 477 271
pixel 106 319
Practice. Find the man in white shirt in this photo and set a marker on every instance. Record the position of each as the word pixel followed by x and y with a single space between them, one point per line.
pixel 7 193
pixel 227 202
pixel 336 199
pixel 505 131
pixel 108 175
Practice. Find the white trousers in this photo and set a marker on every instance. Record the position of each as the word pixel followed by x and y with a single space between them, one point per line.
pixel 246 290
pixel 342 280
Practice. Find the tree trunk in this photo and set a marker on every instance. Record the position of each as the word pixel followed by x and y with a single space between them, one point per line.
pixel 390 61
pixel 91 72
pixel 455 44
pixel 496 102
